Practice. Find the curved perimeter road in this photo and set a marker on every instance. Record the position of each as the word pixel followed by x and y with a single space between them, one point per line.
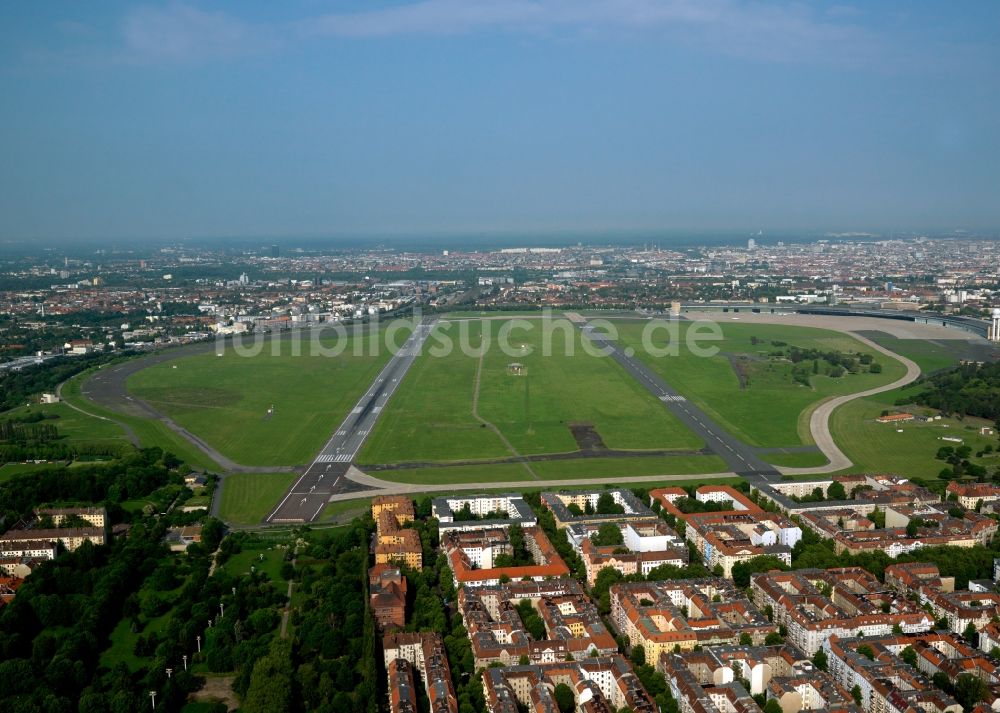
pixel 819 420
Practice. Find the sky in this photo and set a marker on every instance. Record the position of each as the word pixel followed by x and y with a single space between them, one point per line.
pixel 132 121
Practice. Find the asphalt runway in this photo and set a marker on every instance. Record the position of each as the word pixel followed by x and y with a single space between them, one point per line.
pixel 327 474
pixel 738 456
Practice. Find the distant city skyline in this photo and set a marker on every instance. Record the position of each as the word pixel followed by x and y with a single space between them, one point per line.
pixel 350 119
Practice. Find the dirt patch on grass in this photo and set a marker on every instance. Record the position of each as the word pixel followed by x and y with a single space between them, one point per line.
pixel 740 364
pixel 217 689
pixel 586 436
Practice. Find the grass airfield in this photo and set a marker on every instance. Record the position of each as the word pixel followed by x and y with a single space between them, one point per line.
pixel 770 410
pixel 264 410
pixel 551 405
pixel 533 406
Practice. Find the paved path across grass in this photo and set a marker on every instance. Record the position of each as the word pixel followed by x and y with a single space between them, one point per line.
pixel 373 486
pixel 819 420
pixel 518 458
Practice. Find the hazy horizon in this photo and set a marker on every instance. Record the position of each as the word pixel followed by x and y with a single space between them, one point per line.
pixel 345 120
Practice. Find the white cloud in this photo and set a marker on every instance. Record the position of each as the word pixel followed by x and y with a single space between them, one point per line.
pixel 183 32
pixel 766 30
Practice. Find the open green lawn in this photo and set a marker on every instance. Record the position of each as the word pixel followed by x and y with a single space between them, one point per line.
pixel 795 460
pixel 929 355
pixel 265 558
pixel 151 434
pixel 247 498
pixel 625 467
pixel 499 472
pixel 73 425
pixel 430 417
pixel 558 470
pixel 74 428
pixel 9 470
pixel 345 510
pixel 771 410
pixel 881 447
pixel 227 400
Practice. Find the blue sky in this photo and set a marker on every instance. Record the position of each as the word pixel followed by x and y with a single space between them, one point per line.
pixel 316 118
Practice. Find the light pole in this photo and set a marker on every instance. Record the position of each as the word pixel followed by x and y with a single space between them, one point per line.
pixel 185 657
pixel 152 696
pixel 222 609
pixel 199 643
pixel 169 672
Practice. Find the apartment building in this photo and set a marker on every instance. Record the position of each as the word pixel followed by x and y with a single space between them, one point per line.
pixel 815 604
pixel 573 625
pixel 402 689
pixel 645 546
pixel 960 609
pixel 854 533
pixel 387 595
pixel 970 495
pixel 669 616
pixel 738 532
pixel 581 507
pixel 479 512
pixel 96 517
pixel 599 685
pixel 425 653
pixel 395 543
pixel 886 684
pixel 472 553
pixel 27 541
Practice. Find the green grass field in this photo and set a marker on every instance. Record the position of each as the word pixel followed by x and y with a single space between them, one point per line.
pixel 595 468
pixel 73 425
pixel 930 356
pixel 226 400
pixel 151 434
pixel 10 470
pixel 795 460
pixel 345 510
pixel 430 418
pixel 265 559
pixel 772 410
pixel 247 498
pixel 907 449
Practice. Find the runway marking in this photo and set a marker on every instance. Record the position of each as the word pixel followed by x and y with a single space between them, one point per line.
pixel 395 364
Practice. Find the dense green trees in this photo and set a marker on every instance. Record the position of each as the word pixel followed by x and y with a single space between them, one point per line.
pixel 763 563
pixel 608 534
pixel 606 504
pixel 970 389
pixel 271 681
pixel 18 387
pixel 53 630
pixel 565 699
pixel 134 475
